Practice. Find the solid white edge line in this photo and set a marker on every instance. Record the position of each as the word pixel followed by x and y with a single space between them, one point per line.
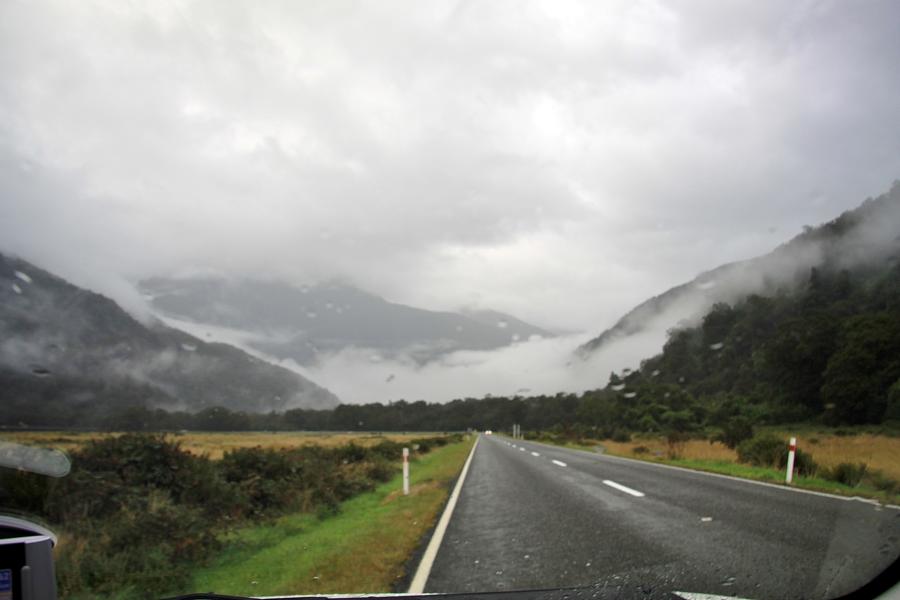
pixel 695 596
pixel 623 488
pixel 421 577
pixel 559 462
pixel 721 476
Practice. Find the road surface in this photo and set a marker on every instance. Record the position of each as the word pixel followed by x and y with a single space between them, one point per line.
pixel 536 516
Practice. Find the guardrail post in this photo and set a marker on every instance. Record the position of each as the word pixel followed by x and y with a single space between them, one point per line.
pixel 406 471
pixel 790 463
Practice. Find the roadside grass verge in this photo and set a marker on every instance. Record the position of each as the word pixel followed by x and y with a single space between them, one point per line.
pixel 364 548
pixel 701 455
pixel 777 476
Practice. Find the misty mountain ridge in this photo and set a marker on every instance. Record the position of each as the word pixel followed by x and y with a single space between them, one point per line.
pixel 868 234
pixel 308 322
pixel 67 349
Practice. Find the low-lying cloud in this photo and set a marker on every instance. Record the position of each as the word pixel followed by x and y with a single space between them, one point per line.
pixel 551 160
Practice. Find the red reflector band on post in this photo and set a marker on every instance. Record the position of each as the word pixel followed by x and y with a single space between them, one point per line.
pixel 792 447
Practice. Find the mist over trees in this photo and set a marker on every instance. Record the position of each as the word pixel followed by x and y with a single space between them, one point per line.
pixel 829 354
pixel 824 350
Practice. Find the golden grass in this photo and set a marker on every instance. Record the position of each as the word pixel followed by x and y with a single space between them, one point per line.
pixel 877 451
pixel 215 444
pixel 698 449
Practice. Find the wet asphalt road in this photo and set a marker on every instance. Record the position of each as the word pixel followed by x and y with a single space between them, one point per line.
pixel 524 521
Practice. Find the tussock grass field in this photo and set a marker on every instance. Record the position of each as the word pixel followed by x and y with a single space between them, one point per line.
pixel 215 444
pixel 879 452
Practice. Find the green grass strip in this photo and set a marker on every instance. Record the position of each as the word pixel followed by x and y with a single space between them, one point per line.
pixel 744 471
pixel 362 549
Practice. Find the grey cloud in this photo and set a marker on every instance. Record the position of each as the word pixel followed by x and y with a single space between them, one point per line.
pixel 553 160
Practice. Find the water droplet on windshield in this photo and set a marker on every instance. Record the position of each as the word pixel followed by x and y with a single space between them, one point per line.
pixel 36 460
pixel 16 288
pixel 630 394
pixel 22 276
pixel 304 289
pixel 706 285
pixel 189 347
pixel 716 346
pixel 502 324
pixel 618 387
pixel 626 371
pixel 390 378
pixel 40 371
pixel 459 328
pixel 515 337
pixel 329 305
pixel 654 373
pixel 311 315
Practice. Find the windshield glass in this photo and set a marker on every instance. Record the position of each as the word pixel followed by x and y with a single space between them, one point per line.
pixel 358 297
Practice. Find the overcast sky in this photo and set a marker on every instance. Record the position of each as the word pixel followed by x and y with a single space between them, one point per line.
pixel 560 161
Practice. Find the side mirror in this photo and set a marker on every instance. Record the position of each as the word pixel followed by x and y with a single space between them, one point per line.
pixel 26 560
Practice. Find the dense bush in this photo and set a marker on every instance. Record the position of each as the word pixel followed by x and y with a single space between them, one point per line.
pixel 762 450
pixel 735 431
pixel 850 474
pixel 882 482
pixel 767 450
pixel 137 510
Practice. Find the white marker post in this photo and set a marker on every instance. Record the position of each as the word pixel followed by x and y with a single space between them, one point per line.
pixel 790 466
pixel 406 471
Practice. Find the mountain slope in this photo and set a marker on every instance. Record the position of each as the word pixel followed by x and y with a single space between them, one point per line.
pixel 64 347
pixel 304 323
pixel 820 346
pixel 867 233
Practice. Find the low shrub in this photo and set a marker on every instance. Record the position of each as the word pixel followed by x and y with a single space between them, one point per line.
pixel 882 482
pixel 767 450
pixel 736 430
pixel 850 474
pixel 620 435
pixel 762 450
pixel 640 450
pixel 137 510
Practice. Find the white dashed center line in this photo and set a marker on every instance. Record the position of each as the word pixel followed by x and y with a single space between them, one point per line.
pixel 560 463
pixel 535 454
pixel 521 449
pixel 623 488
